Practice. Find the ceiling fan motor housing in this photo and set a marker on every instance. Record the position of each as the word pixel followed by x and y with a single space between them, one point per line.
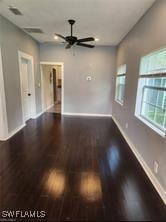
pixel 71 39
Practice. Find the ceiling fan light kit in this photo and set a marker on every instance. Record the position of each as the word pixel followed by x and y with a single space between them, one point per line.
pixel 73 40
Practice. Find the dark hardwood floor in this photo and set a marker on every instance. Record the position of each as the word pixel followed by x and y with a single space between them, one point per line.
pixel 75 169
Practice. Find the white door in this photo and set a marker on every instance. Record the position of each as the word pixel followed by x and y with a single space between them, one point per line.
pixel 26 88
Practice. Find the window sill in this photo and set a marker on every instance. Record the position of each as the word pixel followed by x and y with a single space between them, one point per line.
pixel 120 103
pixel 158 131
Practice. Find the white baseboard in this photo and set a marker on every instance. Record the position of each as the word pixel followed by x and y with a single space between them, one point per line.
pixel 49 107
pixel 13 132
pixel 39 114
pixel 86 114
pixel 160 189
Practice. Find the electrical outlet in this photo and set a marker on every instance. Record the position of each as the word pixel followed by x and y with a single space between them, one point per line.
pixel 127 125
pixel 156 166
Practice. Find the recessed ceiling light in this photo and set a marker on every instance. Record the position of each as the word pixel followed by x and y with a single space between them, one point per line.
pixel 55 37
pixel 96 39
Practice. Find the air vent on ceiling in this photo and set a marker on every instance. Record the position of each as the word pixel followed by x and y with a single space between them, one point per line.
pixel 14 10
pixel 33 30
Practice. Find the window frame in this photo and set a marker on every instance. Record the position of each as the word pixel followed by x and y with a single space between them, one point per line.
pixel 123 74
pixel 139 102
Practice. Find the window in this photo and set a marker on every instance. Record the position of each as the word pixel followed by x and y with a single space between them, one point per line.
pixel 151 94
pixel 120 84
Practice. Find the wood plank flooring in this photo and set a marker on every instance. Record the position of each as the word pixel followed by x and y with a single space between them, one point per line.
pixel 75 169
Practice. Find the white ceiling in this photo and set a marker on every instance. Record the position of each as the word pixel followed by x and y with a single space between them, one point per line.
pixel 109 20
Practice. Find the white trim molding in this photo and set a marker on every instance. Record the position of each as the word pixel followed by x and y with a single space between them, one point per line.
pixel 87 114
pixel 160 189
pixel 13 132
pixel 62 95
pixel 153 127
pixel 30 59
pixel 39 114
pixel 3 111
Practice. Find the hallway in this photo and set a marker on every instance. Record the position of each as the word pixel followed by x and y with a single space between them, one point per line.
pixel 75 169
pixel 55 109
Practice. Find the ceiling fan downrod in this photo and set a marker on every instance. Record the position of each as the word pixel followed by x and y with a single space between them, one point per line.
pixel 71 22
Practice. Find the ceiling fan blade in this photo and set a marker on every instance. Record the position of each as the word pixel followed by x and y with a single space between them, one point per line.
pixel 60 36
pixel 89 39
pixel 68 46
pixel 85 45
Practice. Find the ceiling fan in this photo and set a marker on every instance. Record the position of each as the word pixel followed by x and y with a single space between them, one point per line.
pixel 73 40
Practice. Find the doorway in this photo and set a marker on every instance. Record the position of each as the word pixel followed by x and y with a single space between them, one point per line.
pixel 27 85
pixel 52 87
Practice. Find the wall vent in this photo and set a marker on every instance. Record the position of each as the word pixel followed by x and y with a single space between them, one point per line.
pixel 15 11
pixel 33 30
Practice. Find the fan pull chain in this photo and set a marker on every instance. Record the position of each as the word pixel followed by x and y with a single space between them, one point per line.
pixel 73 50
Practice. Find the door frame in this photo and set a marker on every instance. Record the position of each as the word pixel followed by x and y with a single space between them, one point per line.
pixel 62 92
pixel 3 110
pixel 22 55
pixel 54 84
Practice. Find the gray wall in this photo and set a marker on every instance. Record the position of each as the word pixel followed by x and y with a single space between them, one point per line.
pixel 13 39
pixel 81 96
pixel 148 35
